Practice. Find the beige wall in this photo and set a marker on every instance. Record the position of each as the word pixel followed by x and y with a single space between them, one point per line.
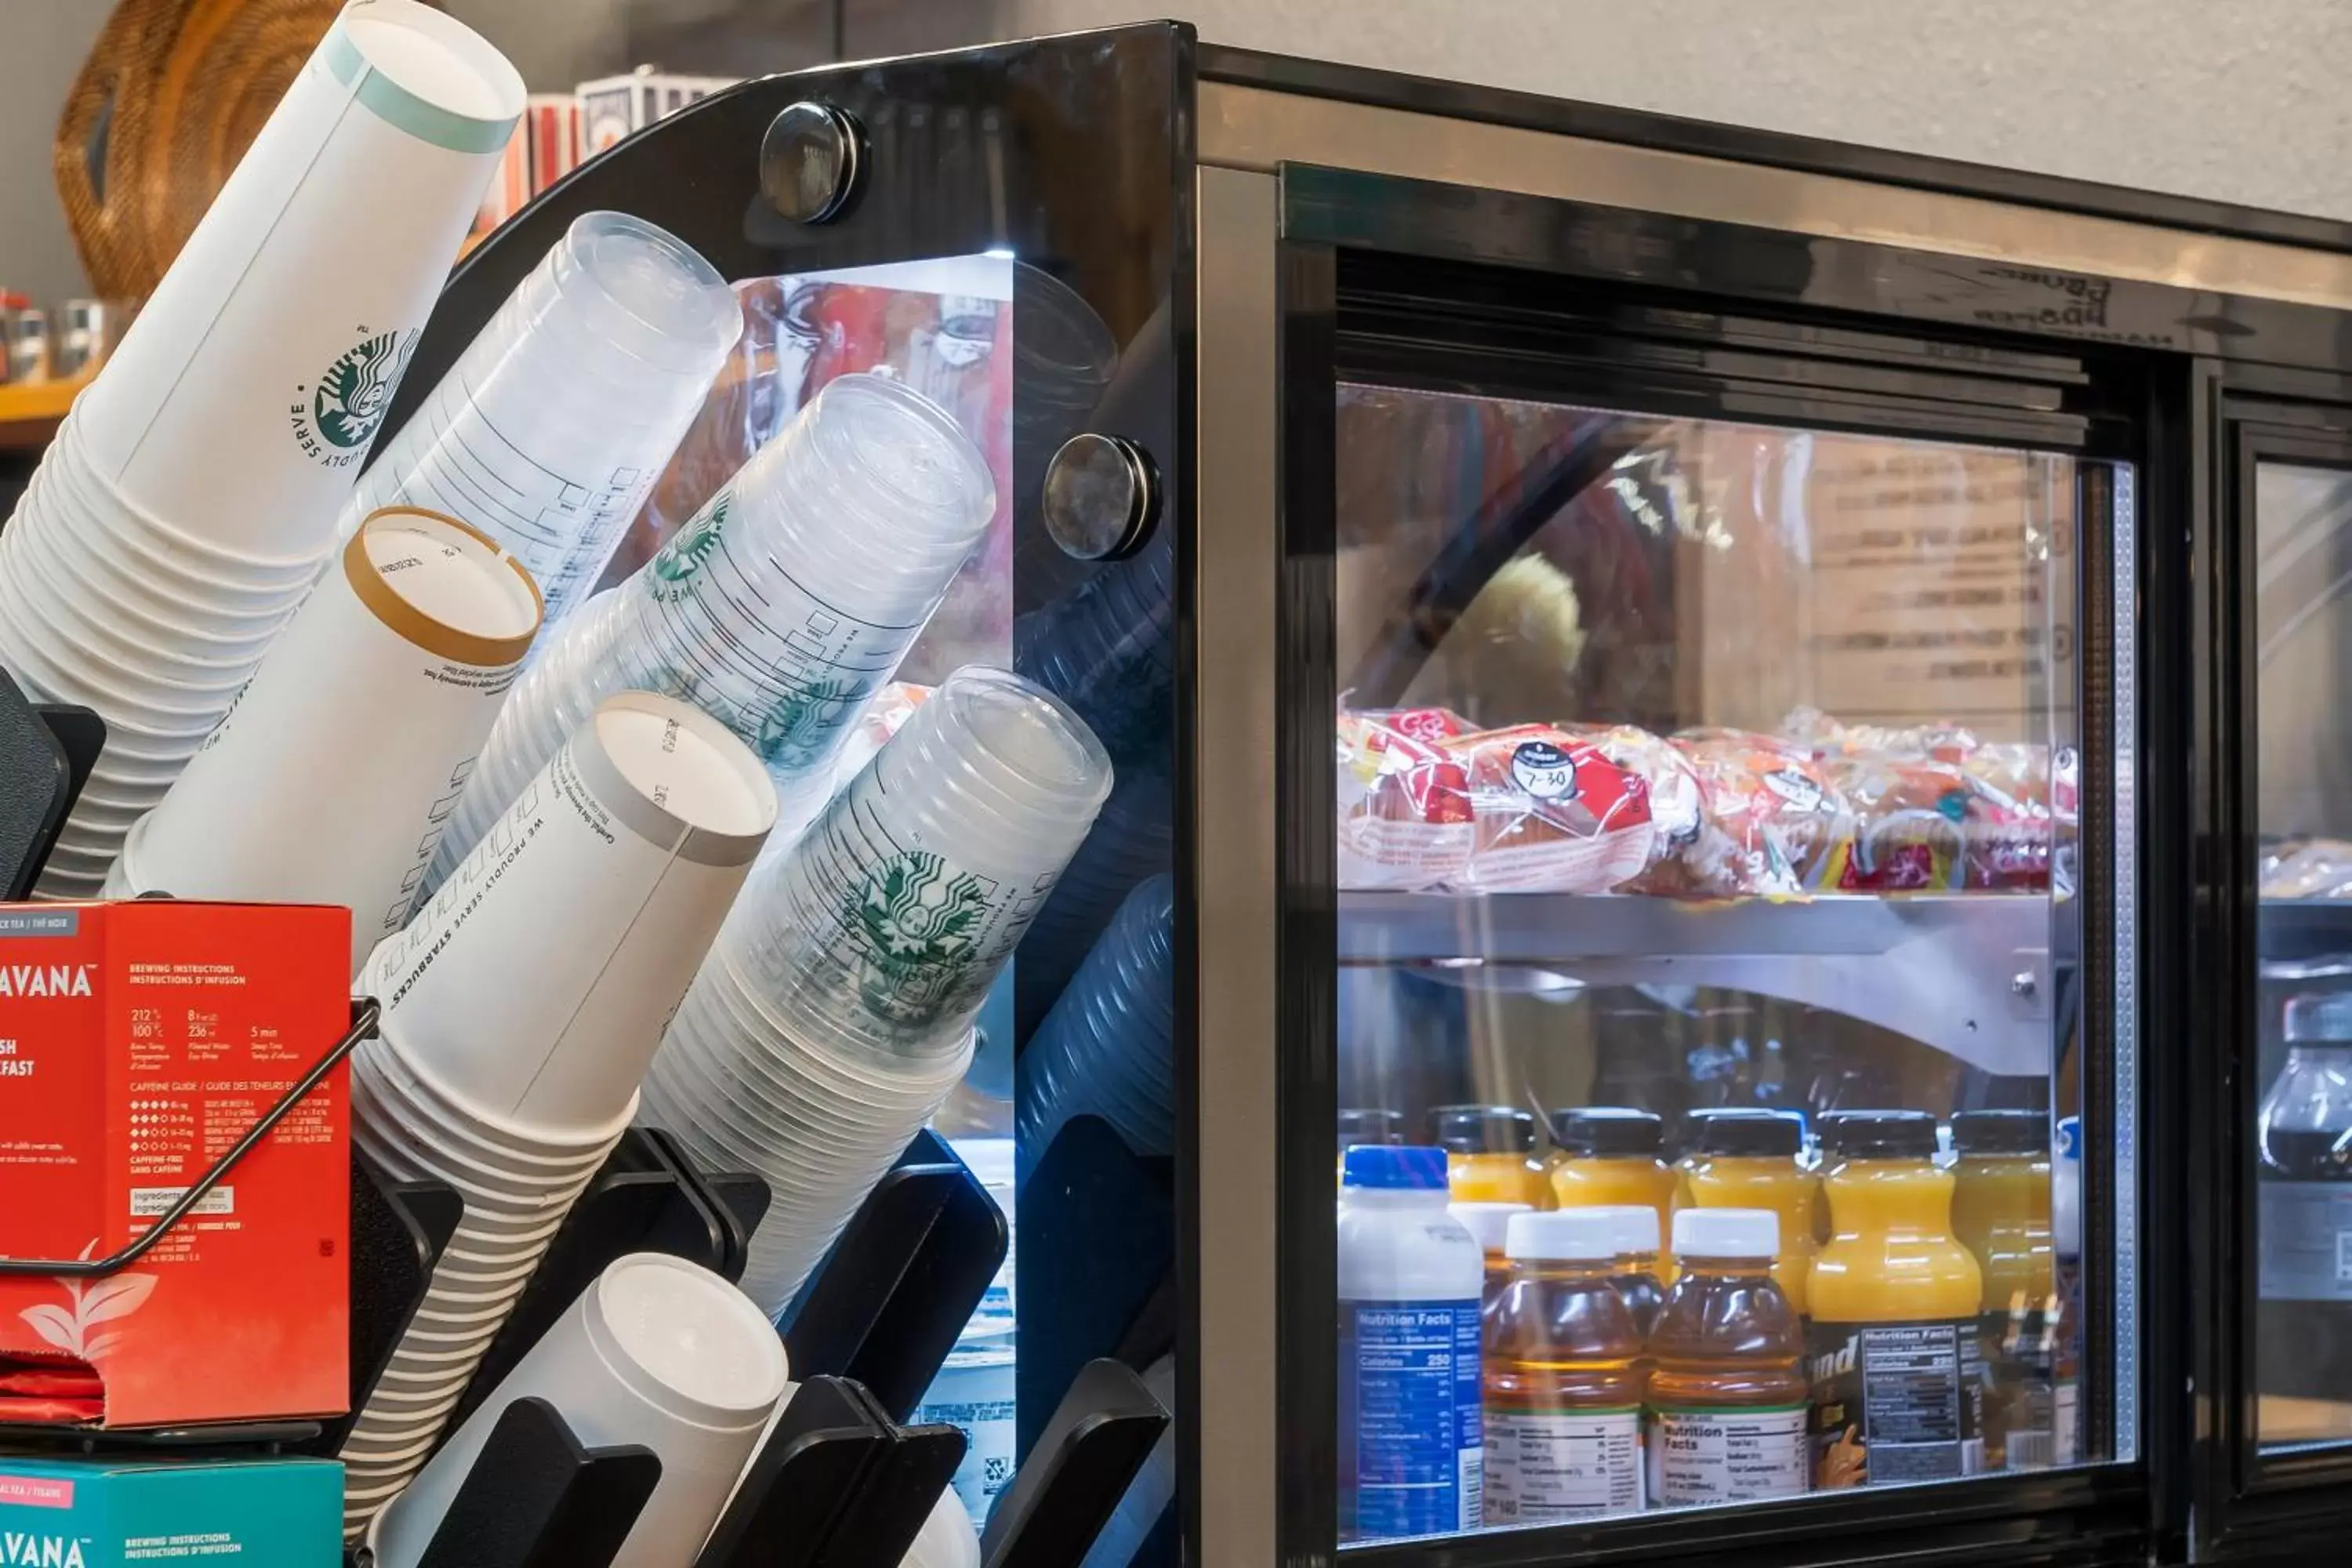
pixel 2158 93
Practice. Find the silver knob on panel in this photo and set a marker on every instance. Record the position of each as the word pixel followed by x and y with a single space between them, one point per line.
pixel 1102 497
pixel 811 161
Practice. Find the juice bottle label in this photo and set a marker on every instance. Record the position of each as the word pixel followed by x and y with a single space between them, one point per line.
pixel 1562 1464
pixel 2306 1241
pixel 1897 1401
pixel 1728 1456
pixel 1409 1403
pixel 2020 1346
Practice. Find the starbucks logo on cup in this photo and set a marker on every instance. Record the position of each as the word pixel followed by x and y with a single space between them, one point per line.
pixel 918 925
pixel 335 420
pixel 679 560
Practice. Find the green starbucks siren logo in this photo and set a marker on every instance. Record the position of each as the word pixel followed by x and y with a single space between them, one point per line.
pixel 338 418
pixel 918 926
pixel 795 732
pixel 690 548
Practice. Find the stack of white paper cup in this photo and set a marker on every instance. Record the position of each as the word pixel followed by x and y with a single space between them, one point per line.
pixel 549 430
pixel 185 509
pixel 780 609
pixel 521 1008
pixel 658 1352
pixel 834 1013
pixel 328 780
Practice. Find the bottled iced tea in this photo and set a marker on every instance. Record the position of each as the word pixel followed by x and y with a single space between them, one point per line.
pixel 1728 1392
pixel 1563 1383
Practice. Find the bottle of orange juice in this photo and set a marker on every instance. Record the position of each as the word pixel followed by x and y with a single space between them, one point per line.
pixel 1490 1154
pixel 1894 1354
pixel 1747 1160
pixel 2001 1212
pixel 1612 1154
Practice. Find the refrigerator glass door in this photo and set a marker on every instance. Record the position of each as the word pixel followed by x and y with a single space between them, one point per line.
pixel 1709 1030
pixel 2302 1343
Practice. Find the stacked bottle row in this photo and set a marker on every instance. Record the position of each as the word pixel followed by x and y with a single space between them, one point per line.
pixel 1880 1318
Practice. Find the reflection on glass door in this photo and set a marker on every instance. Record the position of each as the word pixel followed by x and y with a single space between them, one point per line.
pixel 1708 1026
pixel 2303 1339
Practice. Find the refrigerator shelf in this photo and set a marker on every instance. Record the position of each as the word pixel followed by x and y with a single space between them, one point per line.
pixel 1970 974
pixel 2304 930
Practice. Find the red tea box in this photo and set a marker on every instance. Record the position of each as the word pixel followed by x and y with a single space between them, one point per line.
pixel 138 1041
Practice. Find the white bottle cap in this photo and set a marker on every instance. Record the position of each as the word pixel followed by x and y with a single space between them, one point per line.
pixel 1637 1226
pixel 1486 1223
pixel 1727 1232
pixel 1568 1235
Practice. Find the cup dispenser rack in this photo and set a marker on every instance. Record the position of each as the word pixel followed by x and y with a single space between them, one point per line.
pixel 45 753
pixel 840 1482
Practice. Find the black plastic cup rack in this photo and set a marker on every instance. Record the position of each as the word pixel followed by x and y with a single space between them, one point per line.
pixel 841 1482
pixel 46 754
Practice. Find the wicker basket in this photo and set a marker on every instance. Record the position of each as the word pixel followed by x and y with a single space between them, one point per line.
pixel 172 95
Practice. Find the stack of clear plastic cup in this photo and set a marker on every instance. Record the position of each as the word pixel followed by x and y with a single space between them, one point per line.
pixel 1107 1049
pixel 834 1013
pixel 549 430
pixel 104 604
pixel 780 609
pixel 1108 650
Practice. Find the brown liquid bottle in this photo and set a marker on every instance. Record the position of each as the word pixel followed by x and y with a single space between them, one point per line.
pixel 1563 1384
pixel 1728 1396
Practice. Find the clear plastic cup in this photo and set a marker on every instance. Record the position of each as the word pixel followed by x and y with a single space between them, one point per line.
pixel 551 427
pixel 779 609
pixel 886 923
pixel 1107 1048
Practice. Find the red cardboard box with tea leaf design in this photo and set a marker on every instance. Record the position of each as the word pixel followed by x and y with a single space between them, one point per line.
pixel 138 1041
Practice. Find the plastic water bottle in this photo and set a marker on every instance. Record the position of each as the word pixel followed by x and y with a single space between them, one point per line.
pixel 1410 1441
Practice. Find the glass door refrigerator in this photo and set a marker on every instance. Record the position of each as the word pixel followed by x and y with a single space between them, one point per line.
pixel 1718 939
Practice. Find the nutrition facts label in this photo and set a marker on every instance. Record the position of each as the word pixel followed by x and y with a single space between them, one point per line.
pixel 1726 1456
pixel 1897 1402
pixel 1409 1392
pixel 1561 1464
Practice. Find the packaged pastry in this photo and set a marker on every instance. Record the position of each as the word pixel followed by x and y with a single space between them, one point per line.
pixel 1675 808
pixel 1551 812
pixel 1403 801
pixel 1825 737
pixel 1912 821
pixel 1770 818
pixel 2307 868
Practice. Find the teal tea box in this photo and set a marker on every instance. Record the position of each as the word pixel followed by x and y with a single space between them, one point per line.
pixel 117 1513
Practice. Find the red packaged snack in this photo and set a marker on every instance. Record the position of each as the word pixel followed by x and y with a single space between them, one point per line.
pixel 1912 825
pixel 1770 818
pixel 1675 811
pixel 2021 794
pixel 1551 812
pixel 1404 804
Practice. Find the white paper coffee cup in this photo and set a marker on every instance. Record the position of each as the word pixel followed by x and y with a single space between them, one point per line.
pixel 535 985
pixel 330 779
pixel 240 404
pixel 659 1352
